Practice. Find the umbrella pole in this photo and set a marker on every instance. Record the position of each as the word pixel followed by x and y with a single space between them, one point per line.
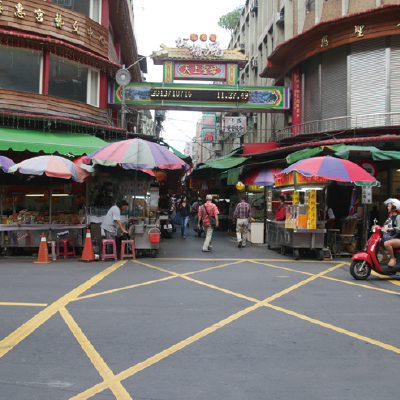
pixel 134 195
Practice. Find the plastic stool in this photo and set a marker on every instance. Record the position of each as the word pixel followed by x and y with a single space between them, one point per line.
pixel 65 251
pixel 103 251
pixel 123 246
pixel 52 243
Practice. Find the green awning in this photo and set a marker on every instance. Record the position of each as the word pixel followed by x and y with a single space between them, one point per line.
pixel 310 152
pixel 233 176
pixel 226 162
pixel 48 142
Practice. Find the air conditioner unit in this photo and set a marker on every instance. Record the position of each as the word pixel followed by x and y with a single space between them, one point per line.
pixel 280 18
pixel 254 6
pixel 254 63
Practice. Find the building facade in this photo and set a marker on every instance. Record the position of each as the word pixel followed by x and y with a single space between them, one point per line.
pixel 339 57
pixel 56 61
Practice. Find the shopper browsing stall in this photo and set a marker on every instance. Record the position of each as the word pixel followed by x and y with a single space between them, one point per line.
pixel 112 220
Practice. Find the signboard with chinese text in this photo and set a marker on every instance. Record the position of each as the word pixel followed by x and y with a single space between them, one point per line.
pixel 235 125
pixel 312 209
pixel 366 195
pixel 199 70
pixel 208 135
pixel 198 97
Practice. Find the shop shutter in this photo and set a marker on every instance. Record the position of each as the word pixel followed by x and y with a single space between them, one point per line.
pixel 368 92
pixel 334 87
pixel 395 76
pixel 312 97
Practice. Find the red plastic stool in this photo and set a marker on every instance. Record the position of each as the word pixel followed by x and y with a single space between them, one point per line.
pixel 65 251
pixel 103 251
pixel 123 247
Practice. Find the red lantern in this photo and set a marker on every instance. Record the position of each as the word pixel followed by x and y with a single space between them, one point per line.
pixel 203 37
pixel 194 37
pixel 213 37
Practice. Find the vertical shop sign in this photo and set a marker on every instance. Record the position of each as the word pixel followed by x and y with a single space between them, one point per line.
pixel 208 128
pixel 367 195
pixel 312 209
pixel 296 92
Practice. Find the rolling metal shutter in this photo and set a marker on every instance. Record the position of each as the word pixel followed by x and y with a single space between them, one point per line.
pixel 312 90
pixel 334 83
pixel 395 74
pixel 368 92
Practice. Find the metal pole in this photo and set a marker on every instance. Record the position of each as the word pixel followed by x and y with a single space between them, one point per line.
pixel 123 105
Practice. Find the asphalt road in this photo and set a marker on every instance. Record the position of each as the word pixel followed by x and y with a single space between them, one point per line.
pixel 230 324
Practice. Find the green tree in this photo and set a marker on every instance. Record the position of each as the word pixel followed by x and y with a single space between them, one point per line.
pixel 229 21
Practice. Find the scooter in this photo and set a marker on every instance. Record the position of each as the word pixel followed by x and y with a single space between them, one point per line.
pixel 367 260
pixel 164 223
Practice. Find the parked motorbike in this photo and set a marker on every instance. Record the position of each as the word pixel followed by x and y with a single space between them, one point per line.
pixel 367 260
pixel 165 224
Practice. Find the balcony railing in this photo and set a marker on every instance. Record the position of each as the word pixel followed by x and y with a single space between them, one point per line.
pixel 340 124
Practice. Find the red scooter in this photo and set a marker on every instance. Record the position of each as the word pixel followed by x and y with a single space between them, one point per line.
pixel 367 260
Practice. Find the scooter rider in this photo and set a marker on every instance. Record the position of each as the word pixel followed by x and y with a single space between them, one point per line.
pixel 391 236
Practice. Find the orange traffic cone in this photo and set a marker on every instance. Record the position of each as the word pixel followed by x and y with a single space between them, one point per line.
pixel 43 256
pixel 88 253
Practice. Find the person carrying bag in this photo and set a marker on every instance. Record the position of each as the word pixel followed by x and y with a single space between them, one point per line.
pixel 207 212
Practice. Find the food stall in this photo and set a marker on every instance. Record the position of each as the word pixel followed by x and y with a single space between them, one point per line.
pixel 27 212
pixel 301 229
pixel 140 216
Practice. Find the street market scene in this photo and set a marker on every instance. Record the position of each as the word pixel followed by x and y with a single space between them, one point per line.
pixel 204 210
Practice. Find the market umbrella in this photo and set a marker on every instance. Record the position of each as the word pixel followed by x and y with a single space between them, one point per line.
pixel 261 176
pixel 52 166
pixel 6 163
pixel 332 168
pixel 136 154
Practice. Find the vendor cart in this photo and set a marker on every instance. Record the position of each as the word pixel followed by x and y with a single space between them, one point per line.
pixel 297 239
pixel 277 236
pixel 147 239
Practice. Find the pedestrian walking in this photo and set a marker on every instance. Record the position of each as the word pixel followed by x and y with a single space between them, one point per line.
pixel 183 207
pixel 208 213
pixel 242 218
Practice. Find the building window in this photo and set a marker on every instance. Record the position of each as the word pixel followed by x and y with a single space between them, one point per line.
pixel 73 81
pixel 310 5
pixel 20 69
pixel 90 8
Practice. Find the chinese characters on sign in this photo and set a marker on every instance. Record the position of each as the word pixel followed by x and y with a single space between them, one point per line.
pixel 367 195
pixel 199 70
pixel 58 20
pixel 208 128
pixel 312 209
pixel 211 50
pixel 296 90
pixel 359 30
pixel 234 125
pixel 324 41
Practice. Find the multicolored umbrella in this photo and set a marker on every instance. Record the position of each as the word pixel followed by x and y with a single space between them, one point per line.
pixel 6 163
pixel 332 168
pixel 261 176
pixel 136 154
pixel 52 166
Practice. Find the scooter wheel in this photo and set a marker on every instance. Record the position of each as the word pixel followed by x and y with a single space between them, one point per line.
pixel 360 270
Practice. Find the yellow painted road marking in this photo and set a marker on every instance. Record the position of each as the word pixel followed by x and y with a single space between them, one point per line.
pixel 23 304
pixel 172 276
pixel 179 346
pixel 30 326
pixel 119 391
pixel 336 329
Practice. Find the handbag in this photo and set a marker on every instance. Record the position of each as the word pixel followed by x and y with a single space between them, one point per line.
pixel 177 219
pixel 213 222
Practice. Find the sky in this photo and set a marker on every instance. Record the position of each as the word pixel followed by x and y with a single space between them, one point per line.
pixel 163 21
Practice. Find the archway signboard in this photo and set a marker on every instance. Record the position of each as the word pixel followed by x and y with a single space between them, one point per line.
pixel 194 62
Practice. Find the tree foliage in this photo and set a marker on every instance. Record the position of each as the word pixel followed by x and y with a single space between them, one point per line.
pixel 229 21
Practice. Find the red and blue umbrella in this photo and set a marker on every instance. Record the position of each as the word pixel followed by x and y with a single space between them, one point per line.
pixel 6 163
pixel 136 154
pixel 261 176
pixel 332 168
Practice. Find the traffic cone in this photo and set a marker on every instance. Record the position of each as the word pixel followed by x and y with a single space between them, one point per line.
pixel 88 253
pixel 43 256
